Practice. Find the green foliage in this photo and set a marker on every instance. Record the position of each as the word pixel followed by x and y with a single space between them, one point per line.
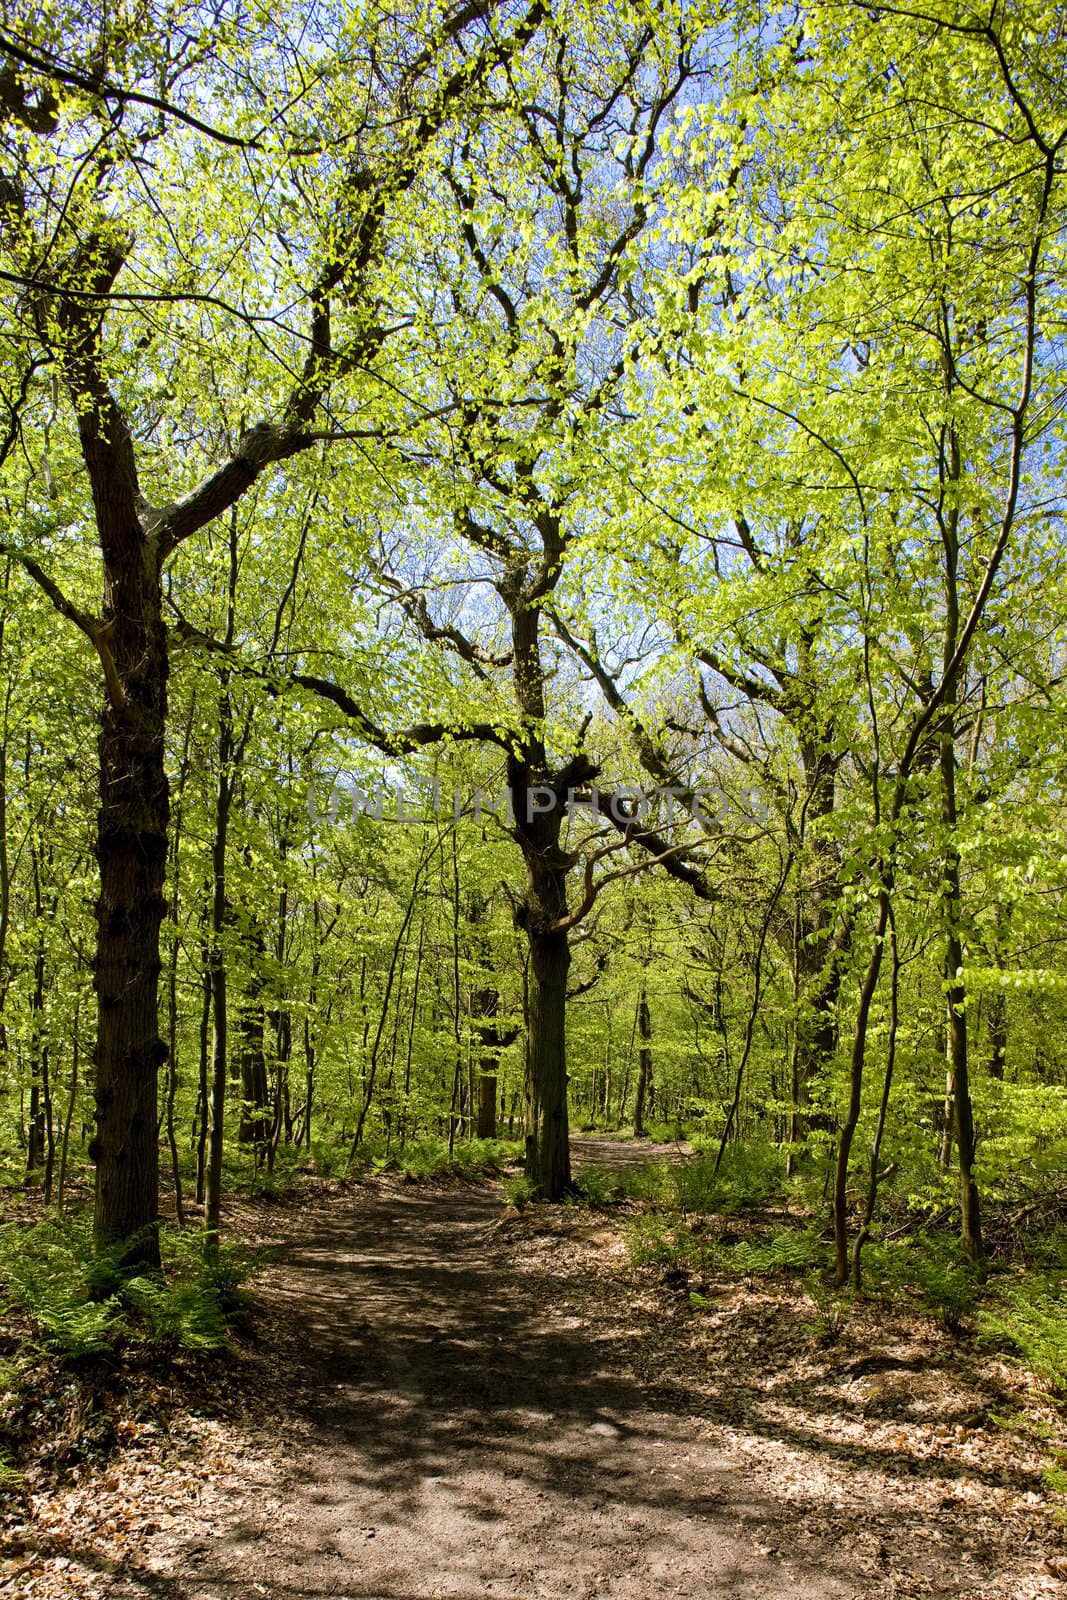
pixel 48 1272
pixel 330 1160
pixel 665 1132
pixel 748 1176
pixel 764 498
pixel 595 1186
pixel 831 1306
pixel 181 1311
pixel 519 1191
pixel 430 1158
pixel 659 1241
pixel 936 1267
pixel 653 1241
pixel 1032 1315
pixel 792 1250
pixel 81 1304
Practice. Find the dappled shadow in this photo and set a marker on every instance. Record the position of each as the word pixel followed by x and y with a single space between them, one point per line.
pixel 460 1417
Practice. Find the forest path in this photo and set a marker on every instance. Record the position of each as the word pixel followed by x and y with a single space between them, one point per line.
pixel 465 1428
pixel 462 1406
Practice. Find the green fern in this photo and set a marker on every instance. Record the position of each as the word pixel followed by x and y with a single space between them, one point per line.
pixel 185 1311
pixel 46 1271
pixel 519 1191
pixel 1032 1315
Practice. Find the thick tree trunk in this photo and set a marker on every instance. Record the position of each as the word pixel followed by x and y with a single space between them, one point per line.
pixel 487 1105
pixel 548 1161
pixel 131 836
pixel 131 853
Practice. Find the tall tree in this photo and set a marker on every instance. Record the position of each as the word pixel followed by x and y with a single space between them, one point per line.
pixel 75 142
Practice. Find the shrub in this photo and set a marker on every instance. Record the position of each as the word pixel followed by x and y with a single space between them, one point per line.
pixel 51 1273
pixel 827 1325
pixel 665 1132
pixel 791 1250
pixel 654 1241
pixel 937 1268
pixel 430 1157
pixel 747 1178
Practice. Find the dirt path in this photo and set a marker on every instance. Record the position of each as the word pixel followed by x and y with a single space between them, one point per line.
pixel 457 1436
pixel 459 1408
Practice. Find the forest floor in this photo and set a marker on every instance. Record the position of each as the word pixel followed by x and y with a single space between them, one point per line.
pixel 442 1399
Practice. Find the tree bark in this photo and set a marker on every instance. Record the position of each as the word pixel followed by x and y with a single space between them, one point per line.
pixel 644 1063
pixel 548 1161
pixel 958 1053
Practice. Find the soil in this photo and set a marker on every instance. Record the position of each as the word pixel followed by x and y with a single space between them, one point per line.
pixel 445 1400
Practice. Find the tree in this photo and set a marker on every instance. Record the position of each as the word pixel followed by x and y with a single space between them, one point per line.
pixel 74 143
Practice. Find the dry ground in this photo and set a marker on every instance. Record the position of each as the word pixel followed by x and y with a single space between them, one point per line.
pixel 444 1402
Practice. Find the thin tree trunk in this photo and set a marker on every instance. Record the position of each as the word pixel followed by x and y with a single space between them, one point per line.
pixel 855 1097
pixel 368 1092
pixel 644 1062
pixel 887 1083
pixel 203 1116
pixel 753 1010
pixel 75 1062
pixel 963 1120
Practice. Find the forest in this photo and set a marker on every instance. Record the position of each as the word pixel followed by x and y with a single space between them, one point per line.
pixel 533 654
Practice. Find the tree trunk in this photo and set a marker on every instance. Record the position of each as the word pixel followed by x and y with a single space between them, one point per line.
pixel 131 835
pixel 254 1125
pixel 855 1096
pixel 644 1060
pixel 818 962
pixel 487 1105
pixel 548 1161
pixel 997 1029
pixel 202 1114
pixel 131 853
pixel 218 976
pixel 959 1062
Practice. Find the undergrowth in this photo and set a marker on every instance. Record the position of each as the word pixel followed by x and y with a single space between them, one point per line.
pixel 85 1341
pixel 431 1158
pixel 79 1303
pixel 1031 1315
pixel 769 1225
pixel 418 1161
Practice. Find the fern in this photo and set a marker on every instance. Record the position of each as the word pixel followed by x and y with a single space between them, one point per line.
pixel 787 1251
pixel 1033 1317
pixel 46 1271
pixel 185 1311
pixel 595 1186
pixel 518 1191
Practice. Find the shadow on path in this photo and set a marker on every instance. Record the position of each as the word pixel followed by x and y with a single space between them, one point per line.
pixel 458 1425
